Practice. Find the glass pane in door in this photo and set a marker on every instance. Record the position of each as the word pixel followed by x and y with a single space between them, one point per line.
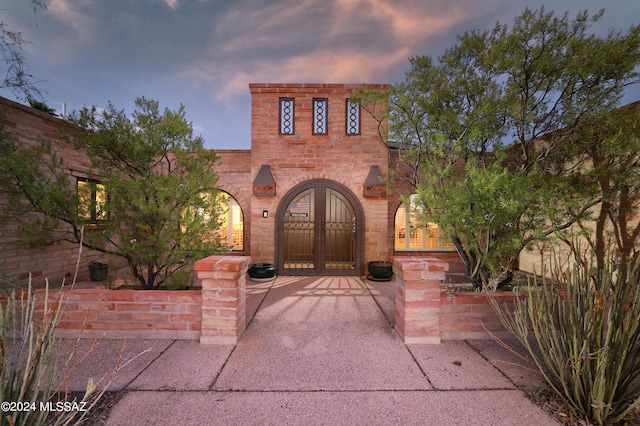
pixel 299 232
pixel 339 228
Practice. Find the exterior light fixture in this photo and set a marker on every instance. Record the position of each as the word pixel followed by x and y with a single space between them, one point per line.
pixel 263 184
pixel 265 213
pixel 374 184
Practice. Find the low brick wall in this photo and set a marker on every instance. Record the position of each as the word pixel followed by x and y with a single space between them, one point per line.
pixel 128 314
pixel 468 315
pixel 424 312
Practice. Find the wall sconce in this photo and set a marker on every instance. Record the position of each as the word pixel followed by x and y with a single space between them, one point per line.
pixel 263 184
pixel 265 213
pixel 374 185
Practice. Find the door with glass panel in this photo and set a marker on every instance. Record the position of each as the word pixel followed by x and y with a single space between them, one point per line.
pixel 320 231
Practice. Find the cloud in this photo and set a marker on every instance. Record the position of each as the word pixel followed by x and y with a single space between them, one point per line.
pixel 70 14
pixel 405 22
pixel 173 4
pixel 340 41
pixel 275 25
pixel 346 65
pixel 323 66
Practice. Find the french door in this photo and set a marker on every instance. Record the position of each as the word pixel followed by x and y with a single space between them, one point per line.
pixel 320 231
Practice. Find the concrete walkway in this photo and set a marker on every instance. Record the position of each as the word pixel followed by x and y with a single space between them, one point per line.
pixel 317 351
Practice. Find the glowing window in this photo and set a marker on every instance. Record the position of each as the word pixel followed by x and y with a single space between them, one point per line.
pixel 92 198
pixel 230 232
pixel 413 234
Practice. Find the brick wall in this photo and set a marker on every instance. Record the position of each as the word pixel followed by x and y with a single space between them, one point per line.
pixel 54 262
pixel 128 314
pixel 470 316
pixel 294 159
pixel 424 313
pixel 398 188
pixel 234 170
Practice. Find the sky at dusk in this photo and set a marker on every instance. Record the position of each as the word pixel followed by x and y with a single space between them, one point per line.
pixel 204 53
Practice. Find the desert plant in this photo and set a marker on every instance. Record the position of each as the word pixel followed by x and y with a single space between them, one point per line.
pixel 581 329
pixel 31 385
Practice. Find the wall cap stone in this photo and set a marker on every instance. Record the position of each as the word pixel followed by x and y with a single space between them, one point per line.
pixel 420 264
pixel 222 263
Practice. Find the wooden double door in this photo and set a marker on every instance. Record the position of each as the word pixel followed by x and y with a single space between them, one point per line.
pixel 319 230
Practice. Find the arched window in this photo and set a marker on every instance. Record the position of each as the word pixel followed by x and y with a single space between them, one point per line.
pixel 413 234
pixel 230 232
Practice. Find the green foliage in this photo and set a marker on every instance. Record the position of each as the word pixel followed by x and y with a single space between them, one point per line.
pixel 582 331
pixel 161 187
pixel 608 152
pixel 15 71
pixel 41 106
pixel 482 131
pixel 30 366
pixel 29 372
pixel 160 211
pixel 31 182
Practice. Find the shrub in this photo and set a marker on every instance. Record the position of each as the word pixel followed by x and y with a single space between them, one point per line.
pixel 581 330
pixel 28 363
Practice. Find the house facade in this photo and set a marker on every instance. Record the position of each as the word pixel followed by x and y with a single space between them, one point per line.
pixel 313 189
pixel 56 262
pixel 311 196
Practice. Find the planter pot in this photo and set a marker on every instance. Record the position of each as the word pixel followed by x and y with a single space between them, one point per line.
pixel 261 271
pixel 98 271
pixel 380 270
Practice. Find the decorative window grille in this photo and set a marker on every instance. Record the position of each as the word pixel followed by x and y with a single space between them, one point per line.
pixel 287 116
pixel 320 107
pixel 353 117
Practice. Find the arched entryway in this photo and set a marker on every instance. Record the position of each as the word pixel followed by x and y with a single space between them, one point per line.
pixel 320 227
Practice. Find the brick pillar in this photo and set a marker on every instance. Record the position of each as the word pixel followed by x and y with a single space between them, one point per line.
pixel 224 316
pixel 418 282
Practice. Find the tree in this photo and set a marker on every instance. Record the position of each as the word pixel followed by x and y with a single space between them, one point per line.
pixel 16 75
pixel 149 198
pixel 607 154
pixel 478 129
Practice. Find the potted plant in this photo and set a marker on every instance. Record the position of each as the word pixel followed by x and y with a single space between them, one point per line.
pixel 260 270
pixel 98 271
pixel 380 270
